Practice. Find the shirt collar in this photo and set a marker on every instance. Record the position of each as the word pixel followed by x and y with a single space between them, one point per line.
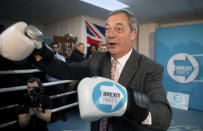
pixel 123 59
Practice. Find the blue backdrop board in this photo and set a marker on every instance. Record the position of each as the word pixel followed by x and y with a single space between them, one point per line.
pixel 180 50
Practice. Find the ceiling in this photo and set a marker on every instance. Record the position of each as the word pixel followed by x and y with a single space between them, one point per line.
pixel 146 11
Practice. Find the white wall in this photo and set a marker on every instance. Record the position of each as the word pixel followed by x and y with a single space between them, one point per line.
pixel 146 39
pixel 75 26
pixel 60 28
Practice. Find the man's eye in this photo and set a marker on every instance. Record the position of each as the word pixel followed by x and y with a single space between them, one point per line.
pixel 119 29
pixel 107 29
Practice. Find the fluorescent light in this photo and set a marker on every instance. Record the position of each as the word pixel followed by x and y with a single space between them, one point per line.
pixel 107 4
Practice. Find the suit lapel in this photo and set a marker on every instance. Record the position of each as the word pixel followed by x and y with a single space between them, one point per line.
pixel 129 69
pixel 107 67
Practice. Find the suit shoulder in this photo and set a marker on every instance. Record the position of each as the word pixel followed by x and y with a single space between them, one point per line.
pixel 99 54
pixel 148 63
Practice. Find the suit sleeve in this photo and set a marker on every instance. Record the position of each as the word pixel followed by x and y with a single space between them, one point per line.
pixel 159 106
pixel 146 94
pixel 60 69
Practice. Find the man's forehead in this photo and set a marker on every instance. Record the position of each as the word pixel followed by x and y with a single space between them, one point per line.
pixel 117 19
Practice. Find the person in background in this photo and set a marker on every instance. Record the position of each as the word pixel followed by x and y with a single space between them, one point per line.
pixel 78 54
pixel 91 50
pixel 59 88
pixel 34 109
pixel 55 47
pixel 102 47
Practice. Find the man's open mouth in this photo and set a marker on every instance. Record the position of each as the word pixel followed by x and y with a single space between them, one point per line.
pixel 111 43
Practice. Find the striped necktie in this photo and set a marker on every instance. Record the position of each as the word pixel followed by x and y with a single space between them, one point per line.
pixel 113 69
pixel 103 122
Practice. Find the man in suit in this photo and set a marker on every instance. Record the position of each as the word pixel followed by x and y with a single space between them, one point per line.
pixel 78 54
pixel 137 73
pixel 147 107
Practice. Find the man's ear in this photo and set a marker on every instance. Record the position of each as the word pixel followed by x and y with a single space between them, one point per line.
pixel 133 35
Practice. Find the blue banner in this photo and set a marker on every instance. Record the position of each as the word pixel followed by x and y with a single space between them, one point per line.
pixel 180 50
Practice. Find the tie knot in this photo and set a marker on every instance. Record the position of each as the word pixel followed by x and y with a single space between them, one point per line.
pixel 114 62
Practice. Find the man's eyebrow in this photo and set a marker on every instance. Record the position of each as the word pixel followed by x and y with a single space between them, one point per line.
pixel 116 24
pixel 119 24
pixel 106 24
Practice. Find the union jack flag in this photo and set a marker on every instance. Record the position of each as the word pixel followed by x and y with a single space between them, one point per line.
pixel 95 33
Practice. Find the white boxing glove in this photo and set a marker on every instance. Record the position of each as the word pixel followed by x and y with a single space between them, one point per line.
pixel 19 40
pixel 101 97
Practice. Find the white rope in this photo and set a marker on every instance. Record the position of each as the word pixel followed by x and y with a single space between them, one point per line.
pixel 51 97
pixel 7 107
pixel 57 82
pixel 62 94
pixel 19 71
pixel 64 107
pixel 8 124
pixel 53 110
pixel 17 88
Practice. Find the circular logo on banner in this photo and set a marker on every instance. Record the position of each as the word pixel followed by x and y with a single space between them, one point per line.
pixel 178 98
pixel 183 68
pixel 109 97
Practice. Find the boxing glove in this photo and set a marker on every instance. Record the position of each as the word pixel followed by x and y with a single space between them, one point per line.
pixel 19 40
pixel 100 97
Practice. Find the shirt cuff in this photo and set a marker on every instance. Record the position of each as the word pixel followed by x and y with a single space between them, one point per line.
pixel 148 120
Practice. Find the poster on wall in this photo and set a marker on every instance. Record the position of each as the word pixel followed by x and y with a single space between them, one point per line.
pixel 180 50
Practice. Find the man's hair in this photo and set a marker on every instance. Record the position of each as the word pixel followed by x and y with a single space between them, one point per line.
pixel 93 45
pixel 34 79
pixel 102 44
pixel 131 18
pixel 54 43
pixel 79 44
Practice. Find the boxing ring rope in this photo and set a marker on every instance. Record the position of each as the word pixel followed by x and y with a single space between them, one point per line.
pixel 8 72
pixel 17 88
pixel 64 107
pixel 53 110
pixel 51 97
pixel 62 94
pixel 8 124
pixel 8 107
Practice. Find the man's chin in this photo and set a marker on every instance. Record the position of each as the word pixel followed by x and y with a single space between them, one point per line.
pixel 112 51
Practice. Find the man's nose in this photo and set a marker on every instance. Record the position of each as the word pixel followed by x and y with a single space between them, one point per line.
pixel 111 34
